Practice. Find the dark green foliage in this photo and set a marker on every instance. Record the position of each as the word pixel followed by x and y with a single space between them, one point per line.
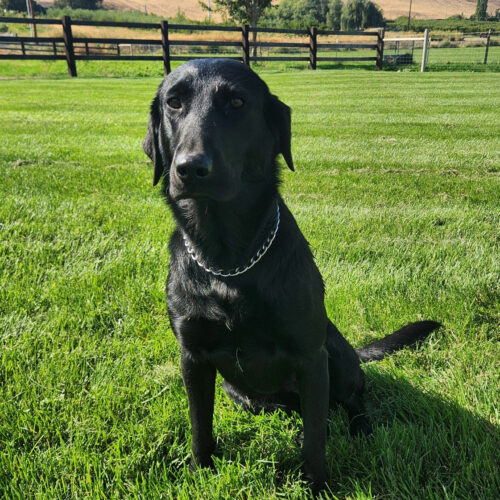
pixel 481 10
pixel 360 14
pixel 17 5
pixel 20 6
pixel 453 23
pixel 79 4
pixel 352 15
pixel 303 13
pixel 242 11
pixel 372 16
pixel 333 18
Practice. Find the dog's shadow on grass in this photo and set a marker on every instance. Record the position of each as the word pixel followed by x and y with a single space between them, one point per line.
pixel 421 446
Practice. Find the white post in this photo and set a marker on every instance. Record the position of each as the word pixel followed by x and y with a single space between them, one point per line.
pixel 425 52
pixel 30 14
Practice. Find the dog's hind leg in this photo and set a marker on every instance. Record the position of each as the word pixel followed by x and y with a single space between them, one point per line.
pixel 286 401
pixel 347 380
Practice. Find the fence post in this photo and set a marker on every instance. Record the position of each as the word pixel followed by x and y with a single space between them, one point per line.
pixel 487 47
pixel 245 45
pixel 166 47
pixel 380 49
pixel 313 46
pixel 425 51
pixel 68 45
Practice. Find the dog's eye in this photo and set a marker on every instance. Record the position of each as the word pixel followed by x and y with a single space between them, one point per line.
pixel 174 102
pixel 236 102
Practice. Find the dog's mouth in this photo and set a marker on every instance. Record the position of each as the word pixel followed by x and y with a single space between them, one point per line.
pixel 186 195
pixel 215 193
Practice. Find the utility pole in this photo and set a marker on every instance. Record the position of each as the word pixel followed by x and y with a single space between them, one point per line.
pixel 409 18
pixel 29 15
pixel 208 5
pixel 33 17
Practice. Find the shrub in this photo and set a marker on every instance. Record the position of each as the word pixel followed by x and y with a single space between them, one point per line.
pixel 20 6
pixel 451 24
pixel 359 14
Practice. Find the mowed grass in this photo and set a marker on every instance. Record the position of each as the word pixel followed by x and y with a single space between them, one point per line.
pixel 440 59
pixel 397 189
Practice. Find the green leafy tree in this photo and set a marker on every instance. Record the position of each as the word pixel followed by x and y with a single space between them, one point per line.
pixel 300 13
pixel 20 6
pixel 311 12
pixel 481 8
pixel 372 16
pixel 352 15
pixel 359 14
pixel 243 11
pixel 334 15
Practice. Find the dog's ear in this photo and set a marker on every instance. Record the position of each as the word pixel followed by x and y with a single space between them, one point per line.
pixel 278 117
pixel 154 144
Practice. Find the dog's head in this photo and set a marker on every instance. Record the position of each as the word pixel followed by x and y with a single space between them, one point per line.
pixel 215 127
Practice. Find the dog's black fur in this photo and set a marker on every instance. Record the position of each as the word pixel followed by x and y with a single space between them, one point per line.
pixel 214 133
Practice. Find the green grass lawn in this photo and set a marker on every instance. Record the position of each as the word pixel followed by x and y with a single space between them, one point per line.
pixel 440 59
pixel 397 189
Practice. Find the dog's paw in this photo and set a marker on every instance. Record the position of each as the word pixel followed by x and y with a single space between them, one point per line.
pixel 316 477
pixel 360 426
pixel 201 463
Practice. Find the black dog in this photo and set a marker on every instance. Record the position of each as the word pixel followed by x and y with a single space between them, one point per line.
pixel 244 295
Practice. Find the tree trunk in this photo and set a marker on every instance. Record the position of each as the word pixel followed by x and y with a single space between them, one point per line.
pixel 254 38
pixel 254 19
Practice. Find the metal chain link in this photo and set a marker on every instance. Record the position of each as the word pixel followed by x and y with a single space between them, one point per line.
pixel 237 271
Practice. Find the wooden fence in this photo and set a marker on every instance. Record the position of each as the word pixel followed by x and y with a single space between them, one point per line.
pixel 73 49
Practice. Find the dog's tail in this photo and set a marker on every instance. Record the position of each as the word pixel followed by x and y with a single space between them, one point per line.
pixel 408 335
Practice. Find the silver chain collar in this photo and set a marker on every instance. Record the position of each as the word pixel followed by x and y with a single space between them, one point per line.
pixel 238 270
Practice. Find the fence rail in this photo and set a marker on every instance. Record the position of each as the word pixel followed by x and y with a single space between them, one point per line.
pixel 72 49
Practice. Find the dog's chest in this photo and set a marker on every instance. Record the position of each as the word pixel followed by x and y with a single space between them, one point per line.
pixel 238 333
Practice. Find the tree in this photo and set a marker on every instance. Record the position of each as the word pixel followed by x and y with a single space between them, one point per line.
pixel 359 14
pixel 372 16
pixel 244 11
pixel 301 14
pixel 20 6
pixel 481 8
pixel 334 14
pixel 352 15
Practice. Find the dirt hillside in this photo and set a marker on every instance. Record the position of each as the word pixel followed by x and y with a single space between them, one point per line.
pixel 421 9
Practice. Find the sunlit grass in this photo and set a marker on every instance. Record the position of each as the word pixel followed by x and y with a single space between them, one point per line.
pixel 397 189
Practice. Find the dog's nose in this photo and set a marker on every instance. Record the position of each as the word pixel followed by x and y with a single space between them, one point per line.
pixel 193 166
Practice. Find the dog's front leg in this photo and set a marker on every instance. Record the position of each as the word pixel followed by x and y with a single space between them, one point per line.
pixel 199 380
pixel 314 393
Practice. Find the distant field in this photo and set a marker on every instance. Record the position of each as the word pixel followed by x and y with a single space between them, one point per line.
pixel 429 9
pixel 397 189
